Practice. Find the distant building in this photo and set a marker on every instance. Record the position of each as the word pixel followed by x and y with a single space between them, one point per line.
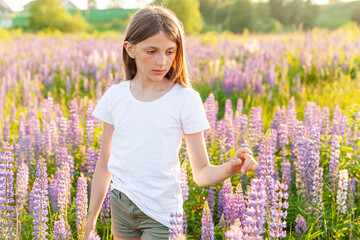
pixel 5 21
pixel 67 3
pixel 4 8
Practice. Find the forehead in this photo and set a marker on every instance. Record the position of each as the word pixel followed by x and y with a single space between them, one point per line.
pixel 159 40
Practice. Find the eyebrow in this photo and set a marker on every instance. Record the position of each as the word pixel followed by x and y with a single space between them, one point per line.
pixel 158 48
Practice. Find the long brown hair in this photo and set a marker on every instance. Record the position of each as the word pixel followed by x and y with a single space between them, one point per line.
pixel 149 21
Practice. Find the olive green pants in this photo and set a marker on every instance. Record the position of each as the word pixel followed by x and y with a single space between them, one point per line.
pixel 129 222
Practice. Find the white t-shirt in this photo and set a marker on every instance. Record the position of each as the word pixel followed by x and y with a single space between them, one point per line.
pixel 144 160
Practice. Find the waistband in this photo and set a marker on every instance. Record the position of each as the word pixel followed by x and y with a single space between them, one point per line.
pixel 122 195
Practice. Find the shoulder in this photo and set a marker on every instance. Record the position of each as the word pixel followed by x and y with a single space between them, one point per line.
pixel 187 92
pixel 115 88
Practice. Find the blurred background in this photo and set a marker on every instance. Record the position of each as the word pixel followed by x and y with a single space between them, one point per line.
pixel 198 16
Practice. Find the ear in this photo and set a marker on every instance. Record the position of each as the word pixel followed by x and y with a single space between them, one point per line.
pixel 129 49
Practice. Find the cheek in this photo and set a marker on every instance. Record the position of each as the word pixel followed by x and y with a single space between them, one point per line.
pixel 146 60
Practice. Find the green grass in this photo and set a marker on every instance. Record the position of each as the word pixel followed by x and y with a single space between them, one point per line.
pixel 332 16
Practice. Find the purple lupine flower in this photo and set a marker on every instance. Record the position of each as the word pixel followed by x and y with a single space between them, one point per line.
pixel 356 133
pixel 286 173
pixel 317 194
pixel 207 225
pixel 241 203
pixel 256 209
pixel 46 140
pixel 235 232
pixel 235 207
pixel 352 192
pixel 89 132
pixel 53 136
pixel 52 194
pixel 267 155
pixel 211 114
pixel 93 236
pixel 62 153
pixel 105 209
pixel 283 138
pixel 342 191
pixel 276 214
pixel 237 129
pixel 176 230
pixel 325 117
pixel 6 133
pixel 22 183
pixel 37 140
pixel 229 209
pixel 255 128
pixel 60 232
pixel 226 188
pixel 301 224
pixel 315 137
pixel 90 161
pixel 40 205
pixel 229 142
pixel 7 210
pixel 244 130
pixel 184 182
pixel 70 162
pixel 63 129
pixel 335 126
pixel 81 206
pixel 21 128
pixel 309 167
pixel 63 182
pixel 334 160
pixel 291 116
pixel 74 128
pixel 229 109
pixel 211 197
pixel 27 149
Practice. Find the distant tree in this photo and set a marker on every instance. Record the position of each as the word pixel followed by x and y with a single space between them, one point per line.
pixel 188 13
pixel 222 10
pixel 277 10
pixel 207 9
pixel 51 14
pixel 240 16
pixel 355 16
pixel 115 3
pixel 299 11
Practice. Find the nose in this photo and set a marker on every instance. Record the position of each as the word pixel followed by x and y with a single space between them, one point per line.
pixel 161 59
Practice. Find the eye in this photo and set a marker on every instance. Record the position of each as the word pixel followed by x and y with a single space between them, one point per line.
pixel 150 51
pixel 171 52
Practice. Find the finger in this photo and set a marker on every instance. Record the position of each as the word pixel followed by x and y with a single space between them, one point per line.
pixel 242 162
pixel 242 151
pixel 247 163
pixel 254 164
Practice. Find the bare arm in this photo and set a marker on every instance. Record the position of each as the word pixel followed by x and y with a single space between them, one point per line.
pixel 101 179
pixel 207 174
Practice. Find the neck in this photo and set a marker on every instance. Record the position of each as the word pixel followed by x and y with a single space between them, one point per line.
pixel 145 85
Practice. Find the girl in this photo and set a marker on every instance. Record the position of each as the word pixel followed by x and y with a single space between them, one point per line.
pixel 145 119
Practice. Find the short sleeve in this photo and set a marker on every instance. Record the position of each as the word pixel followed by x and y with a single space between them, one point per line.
pixel 102 109
pixel 193 116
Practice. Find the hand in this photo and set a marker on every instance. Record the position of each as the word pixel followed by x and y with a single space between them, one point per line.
pixel 243 161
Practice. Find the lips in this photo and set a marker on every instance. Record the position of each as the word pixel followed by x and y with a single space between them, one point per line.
pixel 159 71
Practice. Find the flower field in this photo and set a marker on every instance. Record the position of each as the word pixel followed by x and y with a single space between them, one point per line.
pixel 293 99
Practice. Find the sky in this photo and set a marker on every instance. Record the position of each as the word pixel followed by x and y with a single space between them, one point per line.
pixel 17 5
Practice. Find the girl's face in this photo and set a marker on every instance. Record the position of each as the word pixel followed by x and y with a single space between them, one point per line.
pixel 154 56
